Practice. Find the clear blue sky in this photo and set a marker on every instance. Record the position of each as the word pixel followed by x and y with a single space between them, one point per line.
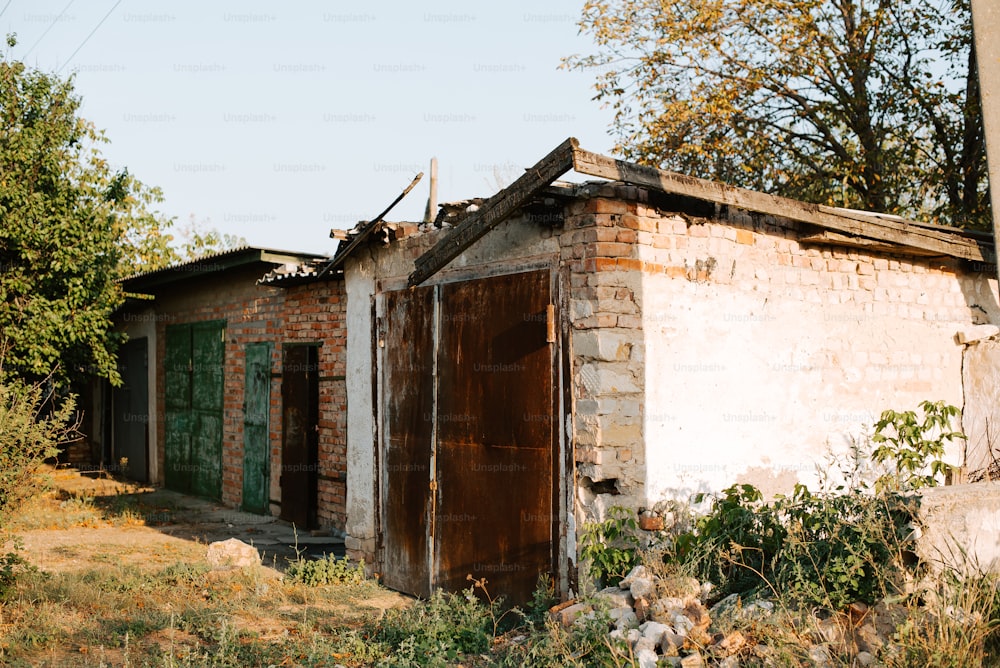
pixel 279 121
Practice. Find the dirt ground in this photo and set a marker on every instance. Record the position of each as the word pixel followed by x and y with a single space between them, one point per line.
pixel 141 523
pixel 108 552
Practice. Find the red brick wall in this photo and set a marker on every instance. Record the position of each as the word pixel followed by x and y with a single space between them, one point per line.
pixel 311 313
pixel 316 313
pixel 252 314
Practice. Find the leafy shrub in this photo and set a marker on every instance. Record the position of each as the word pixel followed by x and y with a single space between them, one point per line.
pixel 829 548
pixel 912 447
pixel 841 548
pixel 439 631
pixel 611 546
pixel 12 565
pixel 32 425
pixel 736 542
pixel 326 571
pixel 818 549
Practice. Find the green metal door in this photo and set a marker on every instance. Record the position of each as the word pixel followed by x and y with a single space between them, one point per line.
pixel 256 405
pixel 194 394
pixel 177 381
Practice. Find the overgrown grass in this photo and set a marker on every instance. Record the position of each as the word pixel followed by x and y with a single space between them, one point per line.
pixel 54 508
pixel 184 614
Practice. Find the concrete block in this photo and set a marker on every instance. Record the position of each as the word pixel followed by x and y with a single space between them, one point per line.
pixel 975 333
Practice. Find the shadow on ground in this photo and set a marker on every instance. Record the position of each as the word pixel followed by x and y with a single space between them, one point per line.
pixel 196 519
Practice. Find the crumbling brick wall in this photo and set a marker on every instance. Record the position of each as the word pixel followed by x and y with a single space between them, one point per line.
pixel 316 313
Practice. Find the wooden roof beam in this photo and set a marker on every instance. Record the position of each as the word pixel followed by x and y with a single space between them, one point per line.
pixel 495 210
pixel 897 232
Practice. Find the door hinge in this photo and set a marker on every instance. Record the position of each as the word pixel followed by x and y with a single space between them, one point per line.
pixel 433 485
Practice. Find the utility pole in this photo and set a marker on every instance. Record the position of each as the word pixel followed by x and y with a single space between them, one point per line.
pixel 986 28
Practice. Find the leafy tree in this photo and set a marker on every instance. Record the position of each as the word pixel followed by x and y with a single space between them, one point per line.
pixel 860 103
pixel 69 227
pixel 197 240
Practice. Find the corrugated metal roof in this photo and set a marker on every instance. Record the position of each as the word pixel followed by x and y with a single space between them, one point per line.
pixel 214 263
pixel 291 274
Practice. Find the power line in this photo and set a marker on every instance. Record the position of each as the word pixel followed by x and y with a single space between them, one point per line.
pixel 88 36
pixel 51 25
pixel 5 7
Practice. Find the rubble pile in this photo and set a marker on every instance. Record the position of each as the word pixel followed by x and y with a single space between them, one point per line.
pixel 665 621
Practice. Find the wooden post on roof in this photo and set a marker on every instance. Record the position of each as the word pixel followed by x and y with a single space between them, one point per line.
pixel 432 198
pixel 986 29
pixel 494 211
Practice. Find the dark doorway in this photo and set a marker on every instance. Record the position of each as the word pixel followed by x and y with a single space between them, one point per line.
pixel 131 412
pixel 470 435
pixel 256 409
pixel 300 434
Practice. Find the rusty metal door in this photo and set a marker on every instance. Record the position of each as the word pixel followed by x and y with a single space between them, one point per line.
pixel 300 435
pixel 494 450
pixel 406 499
pixel 486 435
pixel 256 441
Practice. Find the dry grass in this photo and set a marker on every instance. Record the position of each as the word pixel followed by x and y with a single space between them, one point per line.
pixel 105 589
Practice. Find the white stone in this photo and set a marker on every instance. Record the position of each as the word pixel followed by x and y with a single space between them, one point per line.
pixel 820 656
pixel 654 631
pixel 642 588
pixel 647 658
pixel 624 618
pixel 616 597
pixel 644 643
pixel 232 553
pixel 865 659
pixel 682 625
pixel 639 571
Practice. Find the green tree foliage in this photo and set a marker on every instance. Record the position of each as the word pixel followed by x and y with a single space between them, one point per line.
pixel 198 240
pixel 70 226
pixel 867 104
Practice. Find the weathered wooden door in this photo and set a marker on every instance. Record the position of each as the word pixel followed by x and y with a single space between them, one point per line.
pixel 469 382
pixel 300 435
pixel 408 424
pixel 131 411
pixel 194 397
pixel 256 407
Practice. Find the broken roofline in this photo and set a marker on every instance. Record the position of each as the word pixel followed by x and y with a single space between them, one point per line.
pixel 569 155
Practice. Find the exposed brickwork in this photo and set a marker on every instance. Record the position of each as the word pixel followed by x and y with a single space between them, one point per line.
pixel 638 271
pixel 310 313
pixel 316 312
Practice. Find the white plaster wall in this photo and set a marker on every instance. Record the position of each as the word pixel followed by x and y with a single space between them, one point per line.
pixel 360 525
pixel 513 240
pixel 756 382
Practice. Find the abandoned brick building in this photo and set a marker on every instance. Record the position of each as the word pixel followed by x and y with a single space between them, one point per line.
pixel 489 381
pixel 232 390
